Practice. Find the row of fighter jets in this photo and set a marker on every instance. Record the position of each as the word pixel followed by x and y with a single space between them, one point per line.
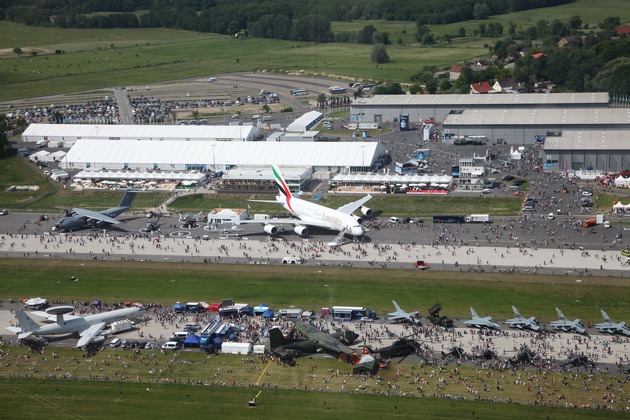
pixel 520 322
pixel 562 324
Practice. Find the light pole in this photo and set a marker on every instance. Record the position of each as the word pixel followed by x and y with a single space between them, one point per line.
pixel 214 161
pixel 363 158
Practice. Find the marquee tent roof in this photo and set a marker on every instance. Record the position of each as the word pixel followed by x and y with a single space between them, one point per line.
pixel 233 153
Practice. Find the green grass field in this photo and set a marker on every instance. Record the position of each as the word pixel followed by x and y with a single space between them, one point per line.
pixel 311 287
pixel 95 59
pixel 29 399
pixel 397 205
pixel 18 171
pixel 157 387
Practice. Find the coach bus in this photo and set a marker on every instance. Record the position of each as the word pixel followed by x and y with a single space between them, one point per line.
pixel 336 90
pixel 448 218
pixel 299 92
pixel 348 313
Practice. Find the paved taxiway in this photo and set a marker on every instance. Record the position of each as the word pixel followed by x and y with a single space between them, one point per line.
pixel 461 247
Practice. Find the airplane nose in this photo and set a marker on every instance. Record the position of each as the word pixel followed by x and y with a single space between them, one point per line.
pixel 356 230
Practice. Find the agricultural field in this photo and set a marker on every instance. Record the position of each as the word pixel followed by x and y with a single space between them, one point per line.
pixel 315 287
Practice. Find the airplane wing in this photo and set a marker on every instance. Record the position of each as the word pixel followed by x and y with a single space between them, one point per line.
pixel 308 222
pixel 351 207
pixel 265 201
pixel 90 333
pixel 334 346
pixel 325 341
pixel 95 215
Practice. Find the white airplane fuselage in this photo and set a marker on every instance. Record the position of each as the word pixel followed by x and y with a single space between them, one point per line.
pixel 73 325
pixel 307 211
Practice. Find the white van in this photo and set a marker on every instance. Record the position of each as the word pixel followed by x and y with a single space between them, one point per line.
pixel 291 260
pixel 179 336
pixel 255 117
pixel 267 118
pixel 170 345
pixel 394 219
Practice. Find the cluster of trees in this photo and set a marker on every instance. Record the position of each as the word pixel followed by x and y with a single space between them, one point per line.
pixel 312 28
pixel 6 125
pixel 588 61
pixel 229 17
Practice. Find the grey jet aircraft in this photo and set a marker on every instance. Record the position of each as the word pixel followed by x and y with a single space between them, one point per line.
pixel 90 328
pixel 522 323
pixel 401 315
pixel 83 218
pixel 315 341
pixel 610 327
pixel 566 325
pixel 481 322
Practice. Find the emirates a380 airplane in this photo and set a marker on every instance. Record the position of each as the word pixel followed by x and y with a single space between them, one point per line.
pixel 311 214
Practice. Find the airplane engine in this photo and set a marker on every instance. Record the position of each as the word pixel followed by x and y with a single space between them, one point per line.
pixel 358 219
pixel 301 230
pixel 98 339
pixel 366 211
pixel 271 229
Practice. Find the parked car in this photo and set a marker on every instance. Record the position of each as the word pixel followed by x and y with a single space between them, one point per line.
pixel 507 178
pixel 587 193
pixel 116 342
pixel 519 182
pixel 4 212
pixel 421 265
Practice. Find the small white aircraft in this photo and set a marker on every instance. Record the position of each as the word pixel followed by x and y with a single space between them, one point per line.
pixel 481 322
pixel 90 328
pixel 522 323
pixel 401 315
pixel 312 214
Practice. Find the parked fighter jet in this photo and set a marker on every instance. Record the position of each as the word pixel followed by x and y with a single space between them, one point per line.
pixel 610 327
pixel 190 221
pixel 315 341
pixel 401 315
pixel 522 323
pixel 89 327
pixel 83 218
pixel 563 324
pixel 481 322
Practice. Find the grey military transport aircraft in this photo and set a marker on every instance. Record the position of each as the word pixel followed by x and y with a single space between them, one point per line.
pixel 315 341
pixel 90 328
pixel 84 219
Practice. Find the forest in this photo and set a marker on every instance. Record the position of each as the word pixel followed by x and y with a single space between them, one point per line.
pixel 233 16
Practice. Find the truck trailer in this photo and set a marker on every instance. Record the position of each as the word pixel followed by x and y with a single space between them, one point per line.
pixel 478 218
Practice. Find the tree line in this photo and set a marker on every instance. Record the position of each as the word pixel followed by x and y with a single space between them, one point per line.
pixel 230 17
